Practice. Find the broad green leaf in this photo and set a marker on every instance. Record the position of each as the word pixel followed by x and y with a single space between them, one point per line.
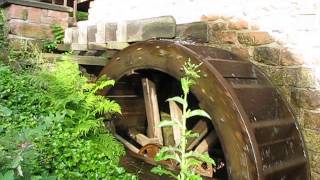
pixel 166 156
pixel 165 123
pixel 190 134
pixel 198 112
pixel 203 157
pixel 162 171
pixel 178 100
pixel 191 162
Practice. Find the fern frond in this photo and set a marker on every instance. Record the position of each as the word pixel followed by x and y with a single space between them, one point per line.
pixel 87 126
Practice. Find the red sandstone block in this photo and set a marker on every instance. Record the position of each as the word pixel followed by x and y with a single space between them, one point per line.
pixel 34 14
pixel 237 24
pixel 17 12
pixel 223 37
pixel 58 14
pixel 30 30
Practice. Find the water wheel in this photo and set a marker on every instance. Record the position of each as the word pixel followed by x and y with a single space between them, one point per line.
pixel 252 132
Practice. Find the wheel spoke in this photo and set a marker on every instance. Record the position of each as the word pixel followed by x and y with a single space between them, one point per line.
pixel 141 138
pixel 152 110
pixel 127 144
pixel 207 142
pixel 175 114
pixel 202 129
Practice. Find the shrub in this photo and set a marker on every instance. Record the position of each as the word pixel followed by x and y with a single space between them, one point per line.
pixel 52 125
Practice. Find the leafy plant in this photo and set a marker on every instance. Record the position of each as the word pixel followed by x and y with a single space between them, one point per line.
pixel 82 16
pixel 58 36
pixel 187 161
pixel 3 36
pixel 52 125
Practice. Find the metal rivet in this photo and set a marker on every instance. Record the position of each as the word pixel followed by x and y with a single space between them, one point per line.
pixel 118 58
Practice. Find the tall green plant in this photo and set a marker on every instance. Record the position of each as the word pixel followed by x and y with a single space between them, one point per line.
pixel 187 161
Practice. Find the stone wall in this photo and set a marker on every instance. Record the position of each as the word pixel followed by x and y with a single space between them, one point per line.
pixel 281 37
pixel 33 22
pixel 296 80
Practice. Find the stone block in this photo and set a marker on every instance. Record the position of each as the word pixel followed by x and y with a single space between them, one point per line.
pixel 92 30
pixel 242 52
pixel 17 12
pixel 106 32
pixel 288 58
pixel 254 38
pixel 237 24
pixel 34 14
pixel 306 98
pixel 67 36
pixel 58 14
pixel 82 35
pixel 315 176
pixel 312 119
pixel 75 35
pixel 314 158
pixel 218 25
pixel 144 29
pixel 31 30
pixel 306 78
pixel 223 37
pixel 267 55
pixel 312 139
pixel 280 76
pixel 196 31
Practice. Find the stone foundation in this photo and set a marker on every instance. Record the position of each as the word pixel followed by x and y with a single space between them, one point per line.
pixel 33 22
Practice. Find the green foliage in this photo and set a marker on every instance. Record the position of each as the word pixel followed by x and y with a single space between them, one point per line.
pixel 187 160
pixel 52 126
pixel 3 30
pixel 82 16
pixel 58 36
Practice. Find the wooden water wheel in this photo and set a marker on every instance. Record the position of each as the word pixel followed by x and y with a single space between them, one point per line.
pixel 252 131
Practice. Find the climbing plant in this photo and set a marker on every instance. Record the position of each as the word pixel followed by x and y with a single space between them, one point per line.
pixel 187 161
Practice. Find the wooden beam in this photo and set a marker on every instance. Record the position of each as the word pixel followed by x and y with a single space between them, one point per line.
pixel 176 115
pixel 75 10
pixel 37 4
pixel 207 142
pixel 85 60
pixel 127 144
pixel 202 129
pixel 152 109
pixel 141 138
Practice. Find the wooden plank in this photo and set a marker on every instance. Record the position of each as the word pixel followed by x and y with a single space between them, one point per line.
pixel 176 115
pixel 109 45
pixel 152 109
pixel 85 60
pixel 167 132
pixel 75 10
pixel 207 142
pixel 68 35
pixel 202 129
pixel 141 138
pixel 127 144
pixel 37 4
